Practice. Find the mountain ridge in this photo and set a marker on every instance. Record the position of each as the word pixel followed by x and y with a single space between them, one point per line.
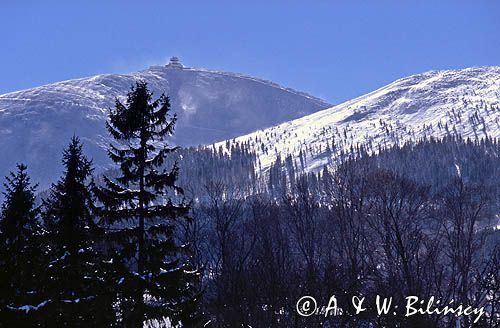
pixel 433 103
pixel 193 69
pixel 36 123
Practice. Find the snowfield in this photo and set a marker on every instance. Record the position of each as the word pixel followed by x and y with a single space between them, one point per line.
pixel 437 103
pixel 36 124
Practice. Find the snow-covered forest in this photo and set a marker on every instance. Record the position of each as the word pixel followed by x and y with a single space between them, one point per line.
pixel 207 237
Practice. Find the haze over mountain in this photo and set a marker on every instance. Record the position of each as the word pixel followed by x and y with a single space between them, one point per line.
pixel 36 124
pixel 437 103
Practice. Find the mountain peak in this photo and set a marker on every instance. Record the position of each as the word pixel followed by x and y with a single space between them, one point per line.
pixel 36 124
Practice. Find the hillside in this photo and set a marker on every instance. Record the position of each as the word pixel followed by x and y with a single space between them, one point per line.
pixel 437 103
pixel 36 124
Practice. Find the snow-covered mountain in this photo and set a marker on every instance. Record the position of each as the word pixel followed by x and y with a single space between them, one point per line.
pixel 36 124
pixel 437 103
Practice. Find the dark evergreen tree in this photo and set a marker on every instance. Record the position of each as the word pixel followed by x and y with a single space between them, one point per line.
pixel 142 205
pixel 21 254
pixel 78 274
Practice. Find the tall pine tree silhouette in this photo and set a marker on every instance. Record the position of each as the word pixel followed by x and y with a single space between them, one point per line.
pixel 78 276
pixel 21 254
pixel 142 204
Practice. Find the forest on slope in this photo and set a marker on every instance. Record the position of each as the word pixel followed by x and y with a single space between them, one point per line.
pixel 395 223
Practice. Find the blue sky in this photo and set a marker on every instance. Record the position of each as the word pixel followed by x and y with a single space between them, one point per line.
pixel 332 49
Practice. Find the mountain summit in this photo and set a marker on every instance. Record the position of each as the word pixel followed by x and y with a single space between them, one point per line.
pixel 36 124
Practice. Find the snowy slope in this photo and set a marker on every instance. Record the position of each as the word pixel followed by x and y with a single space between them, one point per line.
pixel 437 103
pixel 36 124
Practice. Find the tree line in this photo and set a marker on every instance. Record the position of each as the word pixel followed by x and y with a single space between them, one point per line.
pixel 418 219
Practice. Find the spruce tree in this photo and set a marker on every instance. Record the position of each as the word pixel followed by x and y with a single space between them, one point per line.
pixel 78 276
pixel 142 205
pixel 21 254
